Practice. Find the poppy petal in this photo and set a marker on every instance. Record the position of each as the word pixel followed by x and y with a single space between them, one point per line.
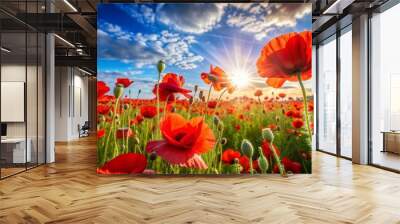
pixel 195 162
pixel 124 164
pixel 276 82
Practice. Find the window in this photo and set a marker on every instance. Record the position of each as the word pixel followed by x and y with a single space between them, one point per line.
pixel 327 96
pixel 346 93
pixel 385 89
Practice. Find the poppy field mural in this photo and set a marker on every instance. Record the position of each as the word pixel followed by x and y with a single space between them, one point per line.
pixel 204 88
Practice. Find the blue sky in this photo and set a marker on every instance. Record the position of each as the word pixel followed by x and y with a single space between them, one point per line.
pixel 190 37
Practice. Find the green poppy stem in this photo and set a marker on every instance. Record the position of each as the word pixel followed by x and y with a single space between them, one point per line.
pixel 158 105
pixel 282 170
pixel 305 105
pixel 110 131
pixel 208 99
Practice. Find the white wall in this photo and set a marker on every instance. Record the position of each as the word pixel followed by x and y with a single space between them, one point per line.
pixel 71 102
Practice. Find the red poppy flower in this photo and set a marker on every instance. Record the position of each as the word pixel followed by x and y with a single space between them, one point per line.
pixel 265 145
pixel 289 113
pixel 218 79
pixel 245 163
pixel 124 133
pixel 297 123
pixel 105 99
pixel 183 139
pixel 310 107
pixel 290 165
pixel 138 119
pixel 102 89
pixel 284 57
pixel 101 133
pixel 212 104
pixel 124 82
pixel 229 156
pixel 258 92
pixel 171 84
pixel 273 127
pixel 148 111
pixel 237 127
pixel 282 95
pixel 124 164
pixel 297 114
pixel 103 109
pixel 256 167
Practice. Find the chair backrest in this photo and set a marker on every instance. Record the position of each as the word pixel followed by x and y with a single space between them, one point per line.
pixel 86 125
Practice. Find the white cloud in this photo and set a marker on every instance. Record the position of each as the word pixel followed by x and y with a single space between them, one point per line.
pixel 142 13
pixel 147 49
pixel 116 31
pixel 191 18
pixel 261 19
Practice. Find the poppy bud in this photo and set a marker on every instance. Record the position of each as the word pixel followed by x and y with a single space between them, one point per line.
pixel 153 156
pixel 267 134
pixel 247 148
pixel 196 87
pixel 236 168
pixel 136 140
pixel 161 66
pixel 262 161
pixel 216 121
pixel 139 91
pixel 224 141
pixel 126 106
pixel 201 94
pixel 221 126
pixel 102 118
pixel 118 91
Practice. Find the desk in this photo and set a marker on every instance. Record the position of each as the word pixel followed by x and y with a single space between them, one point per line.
pixel 391 141
pixel 13 150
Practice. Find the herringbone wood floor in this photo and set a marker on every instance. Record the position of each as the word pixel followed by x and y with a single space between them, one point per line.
pixel 69 191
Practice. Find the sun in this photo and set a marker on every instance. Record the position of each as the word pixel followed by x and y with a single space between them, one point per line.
pixel 240 78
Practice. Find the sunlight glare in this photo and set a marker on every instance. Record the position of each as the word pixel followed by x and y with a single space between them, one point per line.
pixel 240 78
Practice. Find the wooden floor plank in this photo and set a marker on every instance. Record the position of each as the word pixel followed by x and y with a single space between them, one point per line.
pixel 69 191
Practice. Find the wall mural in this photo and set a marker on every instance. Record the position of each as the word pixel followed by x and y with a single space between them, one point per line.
pixel 204 88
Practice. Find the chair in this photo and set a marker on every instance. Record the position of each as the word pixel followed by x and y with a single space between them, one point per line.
pixel 84 130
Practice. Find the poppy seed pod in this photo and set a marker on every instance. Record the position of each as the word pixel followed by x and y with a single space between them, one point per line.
pixel 267 134
pixel 201 93
pixel 262 161
pixel 118 91
pixel 161 66
pixel 153 156
pixel 247 148
pixel 224 141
